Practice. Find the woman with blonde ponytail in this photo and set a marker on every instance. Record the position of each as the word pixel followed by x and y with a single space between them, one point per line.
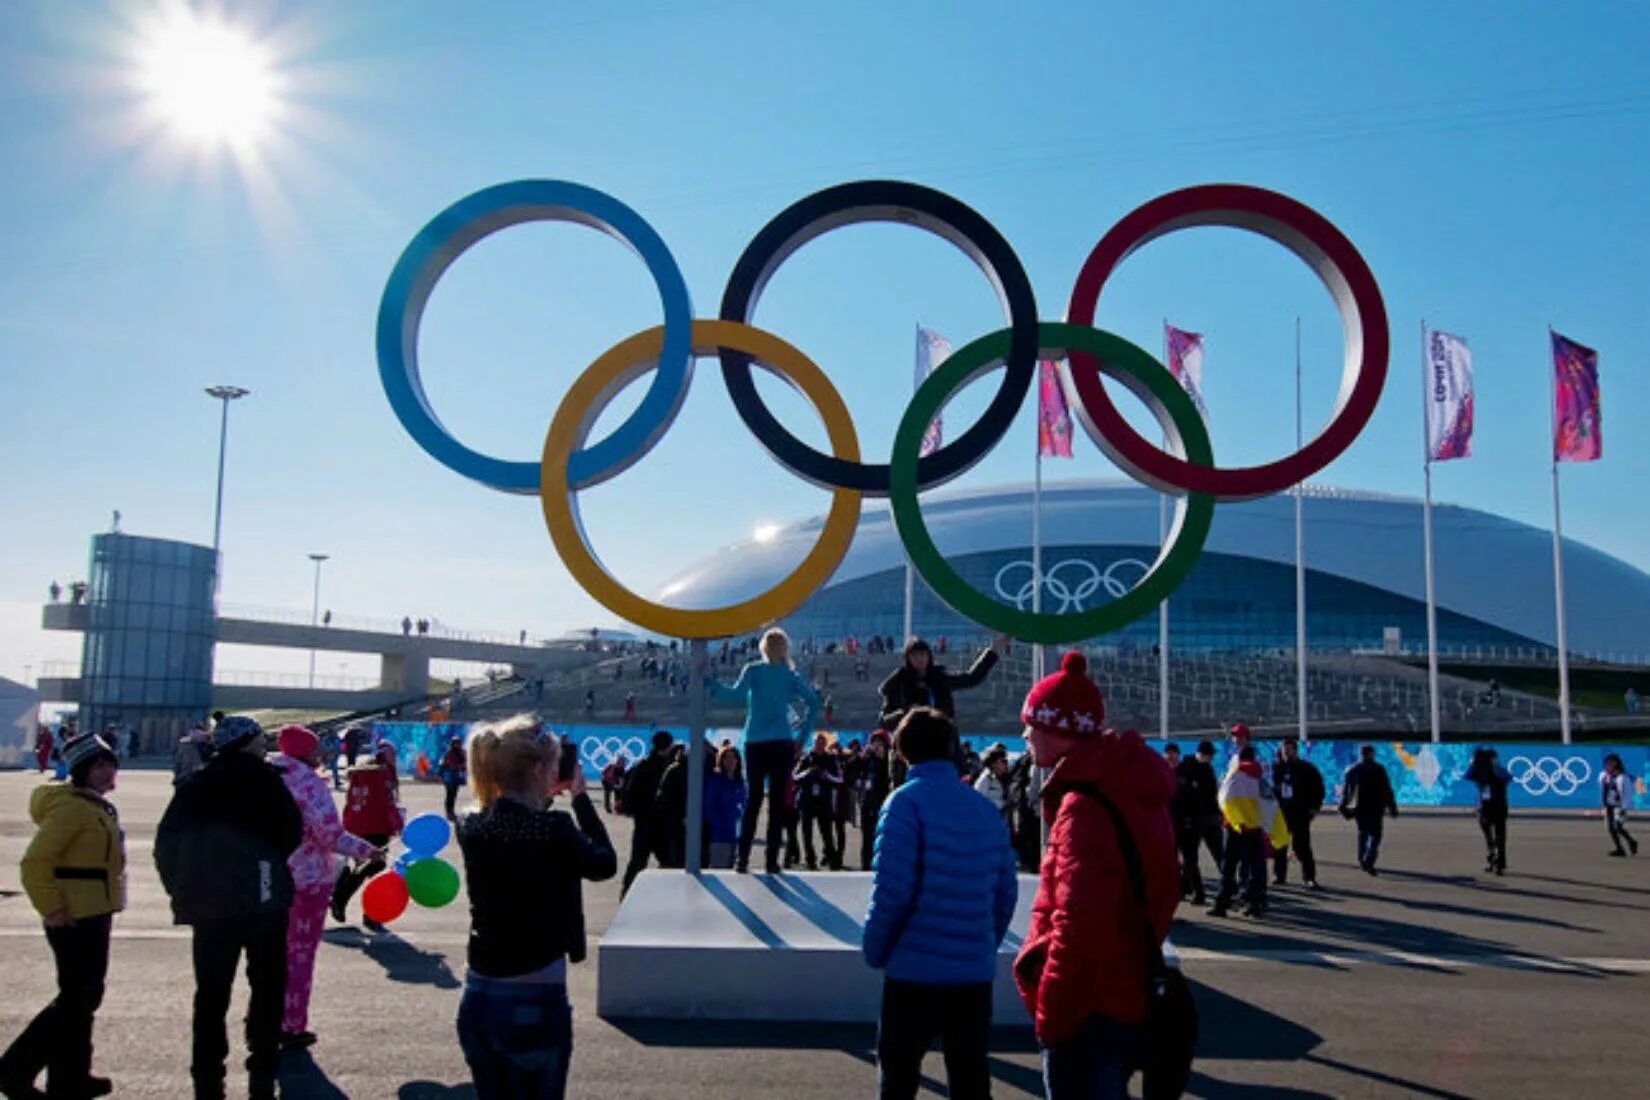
pixel 524 865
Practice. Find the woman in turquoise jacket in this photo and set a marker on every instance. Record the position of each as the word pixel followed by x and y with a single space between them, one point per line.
pixel 767 688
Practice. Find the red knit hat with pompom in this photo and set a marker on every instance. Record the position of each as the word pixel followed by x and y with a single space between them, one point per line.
pixel 1066 702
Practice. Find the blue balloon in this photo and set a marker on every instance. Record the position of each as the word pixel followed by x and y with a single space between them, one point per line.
pixel 402 862
pixel 426 835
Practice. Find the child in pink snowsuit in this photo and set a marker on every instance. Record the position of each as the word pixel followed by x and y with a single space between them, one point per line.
pixel 313 871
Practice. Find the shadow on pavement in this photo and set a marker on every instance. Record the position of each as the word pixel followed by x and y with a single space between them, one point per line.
pixel 1462 910
pixel 301 1078
pixel 1503 886
pixel 433 1090
pixel 402 962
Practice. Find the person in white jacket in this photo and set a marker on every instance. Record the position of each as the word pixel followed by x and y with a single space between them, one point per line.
pixel 993 779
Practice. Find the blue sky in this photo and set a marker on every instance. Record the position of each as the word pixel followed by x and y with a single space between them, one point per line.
pixel 1489 160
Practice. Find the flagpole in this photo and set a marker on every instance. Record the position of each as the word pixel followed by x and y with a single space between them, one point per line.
pixel 906 633
pixel 1426 535
pixel 1037 656
pixel 1558 568
pixel 1300 559
pixel 1163 608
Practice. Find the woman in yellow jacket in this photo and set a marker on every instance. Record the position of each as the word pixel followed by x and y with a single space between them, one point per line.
pixel 75 874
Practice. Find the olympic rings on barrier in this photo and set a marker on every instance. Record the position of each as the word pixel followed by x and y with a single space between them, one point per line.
pixel 1550 774
pixel 591 393
pixel 569 465
pixel 882 201
pixel 1118 359
pixel 1308 235
pixel 442 241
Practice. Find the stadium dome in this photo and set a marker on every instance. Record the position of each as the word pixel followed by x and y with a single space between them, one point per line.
pixel 1365 573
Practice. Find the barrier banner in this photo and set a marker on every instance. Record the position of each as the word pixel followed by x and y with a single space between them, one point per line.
pixel 1544 776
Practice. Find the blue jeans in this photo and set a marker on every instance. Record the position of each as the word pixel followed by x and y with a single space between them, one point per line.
pixel 1094 1064
pixel 517 1038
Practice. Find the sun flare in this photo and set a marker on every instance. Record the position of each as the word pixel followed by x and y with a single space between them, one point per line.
pixel 210 82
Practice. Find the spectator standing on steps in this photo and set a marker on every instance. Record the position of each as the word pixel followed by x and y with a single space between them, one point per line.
pixel 1366 797
pixel 767 688
pixel 221 849
pixel 942 896
pixel 1299 788
pixel 1492 780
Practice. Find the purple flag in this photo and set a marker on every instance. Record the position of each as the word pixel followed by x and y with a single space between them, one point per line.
pixel 1576 414
pixel 1053 419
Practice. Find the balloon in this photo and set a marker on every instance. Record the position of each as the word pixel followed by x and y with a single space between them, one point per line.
pixel 426 835
pixel 385 898
pixel 432 883
pixel 403 861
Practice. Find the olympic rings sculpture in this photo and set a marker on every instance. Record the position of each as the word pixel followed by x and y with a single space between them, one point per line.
pixel 1549 773
pixel 571 462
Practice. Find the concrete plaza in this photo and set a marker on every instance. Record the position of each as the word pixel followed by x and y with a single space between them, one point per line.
pixel 1432 980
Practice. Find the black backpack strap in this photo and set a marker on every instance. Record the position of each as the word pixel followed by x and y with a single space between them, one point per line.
pixel 1137 875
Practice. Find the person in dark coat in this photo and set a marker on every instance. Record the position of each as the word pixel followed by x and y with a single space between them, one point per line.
pixel 1492 780
pixel 1299 787
pixel 876 793
pixel 919 682
pixel 636 800
pixel 670 811
pixel 1196 810
pixel 818 778
pixel 221 850
pixel 1366 796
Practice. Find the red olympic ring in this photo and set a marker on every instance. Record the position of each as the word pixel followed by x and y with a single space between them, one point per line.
pixel 1324 249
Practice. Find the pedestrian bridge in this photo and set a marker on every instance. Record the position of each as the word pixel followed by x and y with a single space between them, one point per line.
pixel 404 657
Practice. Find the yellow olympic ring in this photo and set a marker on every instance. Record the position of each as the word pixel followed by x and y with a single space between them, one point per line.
pixel 602 381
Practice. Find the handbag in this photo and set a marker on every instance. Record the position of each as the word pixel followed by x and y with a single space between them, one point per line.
pixel 1171 1014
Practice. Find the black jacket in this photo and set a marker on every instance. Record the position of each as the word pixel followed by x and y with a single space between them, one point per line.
pixel 1367 793
pixel 524 870
pixel 1299 786
pixel 641 785
pixel 1492 784
pixel 1196 790
pixel 223 842
pixel 817 775
pixel 903 690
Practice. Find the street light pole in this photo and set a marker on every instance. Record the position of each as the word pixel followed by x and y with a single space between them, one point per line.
pixel 315 612
pixel 226 394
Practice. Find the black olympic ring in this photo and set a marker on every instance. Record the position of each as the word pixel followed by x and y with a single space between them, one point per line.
pixel 908 204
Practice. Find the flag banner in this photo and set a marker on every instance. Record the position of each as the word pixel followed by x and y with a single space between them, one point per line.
pixel 1449 397
pixel 932 350
pixel 1053 418
pixel 1186 363
pixel 1576 415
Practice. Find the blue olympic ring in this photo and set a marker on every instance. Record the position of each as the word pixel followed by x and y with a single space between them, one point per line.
pixel 443 240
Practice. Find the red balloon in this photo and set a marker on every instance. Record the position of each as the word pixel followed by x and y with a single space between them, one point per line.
pixel 385 897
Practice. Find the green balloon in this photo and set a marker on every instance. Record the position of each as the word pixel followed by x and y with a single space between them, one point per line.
pixel 432 883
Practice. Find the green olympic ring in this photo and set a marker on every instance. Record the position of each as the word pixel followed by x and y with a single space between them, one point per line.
pixel 1118 359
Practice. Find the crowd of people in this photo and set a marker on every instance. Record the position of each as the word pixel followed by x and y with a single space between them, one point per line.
pixel 249 849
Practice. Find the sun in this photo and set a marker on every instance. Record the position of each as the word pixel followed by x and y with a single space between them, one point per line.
pixel 209 82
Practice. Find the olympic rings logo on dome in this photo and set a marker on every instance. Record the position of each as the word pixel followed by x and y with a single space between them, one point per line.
pixel 1070 597
pixel 1549 774
pixel 571 462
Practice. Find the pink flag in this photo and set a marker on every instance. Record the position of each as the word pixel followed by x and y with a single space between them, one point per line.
pixel 1576 415
pixel 1053 419
pixel 932 350
pixel 1186 363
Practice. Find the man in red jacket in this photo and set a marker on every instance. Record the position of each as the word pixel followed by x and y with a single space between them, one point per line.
pixel 1082 970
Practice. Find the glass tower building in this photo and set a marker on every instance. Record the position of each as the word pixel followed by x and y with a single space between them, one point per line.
pixel 146 659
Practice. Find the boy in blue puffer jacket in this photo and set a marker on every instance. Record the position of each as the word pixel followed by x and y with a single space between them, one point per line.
pixel 942 895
